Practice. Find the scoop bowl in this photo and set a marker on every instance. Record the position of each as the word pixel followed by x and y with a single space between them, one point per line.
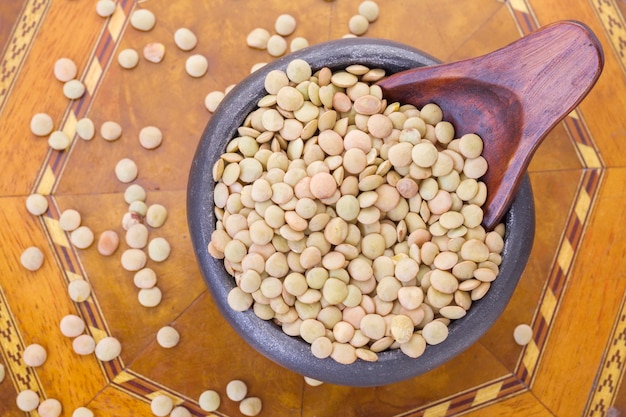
pixel 265 336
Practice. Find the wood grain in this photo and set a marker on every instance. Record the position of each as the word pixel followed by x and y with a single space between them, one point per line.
pixel 572 292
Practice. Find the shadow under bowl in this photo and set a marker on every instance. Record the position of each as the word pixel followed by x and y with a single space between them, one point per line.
pixel 265 336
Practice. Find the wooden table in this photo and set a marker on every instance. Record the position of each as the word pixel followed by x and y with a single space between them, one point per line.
pixel 573 292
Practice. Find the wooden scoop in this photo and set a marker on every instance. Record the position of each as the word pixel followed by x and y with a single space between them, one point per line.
pixel 511 97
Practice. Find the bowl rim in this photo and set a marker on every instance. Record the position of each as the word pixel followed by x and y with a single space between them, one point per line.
pixel 266 337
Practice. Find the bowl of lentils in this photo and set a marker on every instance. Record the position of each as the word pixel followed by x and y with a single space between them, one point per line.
pixel 340 234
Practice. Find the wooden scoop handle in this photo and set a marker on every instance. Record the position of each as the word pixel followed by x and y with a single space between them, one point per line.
pixel 512 97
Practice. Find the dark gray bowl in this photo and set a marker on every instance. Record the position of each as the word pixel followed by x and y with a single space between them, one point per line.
pixel 266 337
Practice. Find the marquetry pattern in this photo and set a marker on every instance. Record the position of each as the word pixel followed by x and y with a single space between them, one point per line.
pixel 612 371
pixel 21 38
pixel 11 348
pixel 615 27
pixel 144 389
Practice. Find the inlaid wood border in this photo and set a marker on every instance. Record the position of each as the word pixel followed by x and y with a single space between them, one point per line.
pixel 142 388
pixel 20 41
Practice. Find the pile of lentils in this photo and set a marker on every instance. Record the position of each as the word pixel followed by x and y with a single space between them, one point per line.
pixel 349 221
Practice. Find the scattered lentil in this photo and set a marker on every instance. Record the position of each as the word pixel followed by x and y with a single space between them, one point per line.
pixel 36 204
pixel 369 10
pixel 250 406
pixel 82 237
pixel 34 355
pixel 142 19
pixel 71 325
pixel 108 349
pixel 298 43
pixel 161 405
pixel 180 411
pixel 73 89
pixel 85 128
pixel 150 137
pixel 154 52
pixel 213 99
pixel 133 259
pixel 108 242
pixel 82 412
pixel 41 124
pixel 84 344
pixel 276 45
pixel 209 400
pixel 2 373
pixel 50 407
pixel 110 131
pixel 27 400
pixel 159 249
pixel 168 337
pixel 126 170
pixel 196 65
pixel 358 25
pixel 105 8
pixel 65 69
pixel 258 38
pixel 285 24
pixel 150 297
pixel 32 258
pixel 523 334
pixel 185 39
pixel 236 390
pixel 128 58
pixel 79 290
pixel 145 278
pixel 58 140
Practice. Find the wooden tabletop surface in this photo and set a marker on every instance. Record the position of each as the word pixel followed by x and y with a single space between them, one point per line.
pixel 572 293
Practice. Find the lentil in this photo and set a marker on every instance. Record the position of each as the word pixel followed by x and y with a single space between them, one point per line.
pixel 34 355
pixel 150 137
pixel 50 407
pixel 84 344
pixel 41 124
pixel 523 334
pixel 185 39
pixel 168 337
pixel 82 412
pixel 154 52
pixel 79 290
pixel 159 249
pixel 32 258
pixel 285 24
pixel 82 237
pixel 250 406
pixel 73 89
pixel 108 243
pixel 36 204
pixel 71 325
pixel 161 405
pixel 150 297
pixel 142 19
pixel 236 390
pixel 65 69
pixel 258 38
pixel 27 400
pixel 58 140
pixel 209 400
pixel 276 45
pixel 196 65
pixel 126 170
pixel 108 349
pixel 105 8
pixel 110 131
pixel 128 58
